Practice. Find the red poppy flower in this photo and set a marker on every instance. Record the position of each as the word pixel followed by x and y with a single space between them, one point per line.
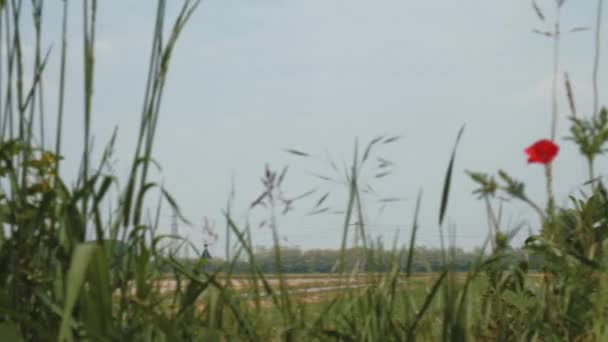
pixel 542 151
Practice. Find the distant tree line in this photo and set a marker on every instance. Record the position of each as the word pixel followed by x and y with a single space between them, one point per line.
pixel 296 260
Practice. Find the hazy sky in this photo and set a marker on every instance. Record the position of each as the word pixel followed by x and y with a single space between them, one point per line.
pixel 252 77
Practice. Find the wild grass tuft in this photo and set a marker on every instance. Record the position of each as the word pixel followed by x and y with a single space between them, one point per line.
pixel 72 272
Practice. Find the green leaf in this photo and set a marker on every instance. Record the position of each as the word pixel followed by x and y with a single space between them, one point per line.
pixel 139 202
pixel 105 185
pixel 410 256
pixel 297 152
pixel 76 274
pixel 174 205
pixel 98 295
pixel 9 331
pixel 448 179
pixel 427 302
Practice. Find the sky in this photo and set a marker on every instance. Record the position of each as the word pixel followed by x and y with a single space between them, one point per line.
pixel 251 78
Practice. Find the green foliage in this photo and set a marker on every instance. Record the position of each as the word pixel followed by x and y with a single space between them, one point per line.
pixel 567 301
pixel 448 179
pixel 489 187
pixel 70 273
pixel 590 134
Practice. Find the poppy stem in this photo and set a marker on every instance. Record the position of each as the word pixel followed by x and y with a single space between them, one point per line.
pixel 549 177
pixel 591 174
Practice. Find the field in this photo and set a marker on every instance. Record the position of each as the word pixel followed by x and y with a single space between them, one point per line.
pixel 84 255
pixel 311 286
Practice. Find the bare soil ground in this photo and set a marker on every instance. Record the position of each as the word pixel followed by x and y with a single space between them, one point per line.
pixel 302 283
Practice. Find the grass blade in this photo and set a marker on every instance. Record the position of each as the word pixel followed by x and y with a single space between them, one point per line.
pixel 76 275
pixel 410 251
pixel 427 302
pixel 448 180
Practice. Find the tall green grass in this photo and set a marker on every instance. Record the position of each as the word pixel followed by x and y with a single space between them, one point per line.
pixel 55 284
